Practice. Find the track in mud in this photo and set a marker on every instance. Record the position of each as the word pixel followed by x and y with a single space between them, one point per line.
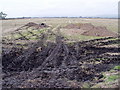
pixel 59 64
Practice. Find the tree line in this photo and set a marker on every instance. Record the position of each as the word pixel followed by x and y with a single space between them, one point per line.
pixel 2 15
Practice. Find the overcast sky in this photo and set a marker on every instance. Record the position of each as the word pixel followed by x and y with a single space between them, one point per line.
pixel 43 8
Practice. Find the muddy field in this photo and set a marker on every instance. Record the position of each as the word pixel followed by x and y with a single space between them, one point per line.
pixel 37 55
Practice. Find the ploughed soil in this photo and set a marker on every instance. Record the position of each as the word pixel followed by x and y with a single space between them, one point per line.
pixel 59 64
pixel 90 30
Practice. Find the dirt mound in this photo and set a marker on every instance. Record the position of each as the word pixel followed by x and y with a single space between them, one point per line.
pixel 80 26
pixel 99 31
pixel 30 24
pixel 91 30
pixel 35 25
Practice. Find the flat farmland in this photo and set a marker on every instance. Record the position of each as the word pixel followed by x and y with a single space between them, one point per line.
pixel 111 24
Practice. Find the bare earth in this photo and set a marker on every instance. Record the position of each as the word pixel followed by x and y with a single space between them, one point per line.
pixel 37 53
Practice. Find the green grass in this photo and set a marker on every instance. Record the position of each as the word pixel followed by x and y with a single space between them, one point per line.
pixel 51 38
pixel 109 78
pixel 113 38
pixel 98 59
pixel 16 36
pixel 117 67
pixel 86 85
pixel 112 78
pixel 81 37
pixel 27 34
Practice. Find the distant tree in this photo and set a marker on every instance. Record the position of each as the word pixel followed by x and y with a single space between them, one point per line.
pixel 2 15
